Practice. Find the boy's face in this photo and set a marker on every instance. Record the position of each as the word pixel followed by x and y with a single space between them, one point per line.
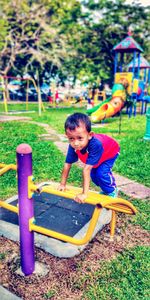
pixel 79 137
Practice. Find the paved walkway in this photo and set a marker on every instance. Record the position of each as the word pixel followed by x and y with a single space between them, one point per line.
pixel 6 118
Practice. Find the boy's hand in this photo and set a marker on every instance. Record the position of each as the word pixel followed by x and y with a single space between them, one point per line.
pixel 61 187
pixel 80 198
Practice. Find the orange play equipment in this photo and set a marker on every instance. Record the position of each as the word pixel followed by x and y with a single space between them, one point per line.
pixel 121 88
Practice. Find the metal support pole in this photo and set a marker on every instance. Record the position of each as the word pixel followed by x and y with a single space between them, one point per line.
pixel 138 73
pixel 113 224
pixel 116 63
pixel 121 62
pixel 26 209
pixel 145 75
pixel 147 134
pixel 133 68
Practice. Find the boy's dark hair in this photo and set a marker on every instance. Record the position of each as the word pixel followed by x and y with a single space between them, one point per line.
pixel 75 119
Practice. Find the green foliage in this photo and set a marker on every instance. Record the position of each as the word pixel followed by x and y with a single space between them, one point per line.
pixel 3 32
pixel 106 24
pixel 40 35
pixel 126 277
pixel 67 38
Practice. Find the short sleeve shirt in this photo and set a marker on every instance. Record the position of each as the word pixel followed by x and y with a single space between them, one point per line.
pixel 94 150
pixel 100 148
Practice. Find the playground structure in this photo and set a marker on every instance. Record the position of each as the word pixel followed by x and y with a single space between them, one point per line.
pixel 126 84
pixel 143 91
pixel 25 210
pixel 19 81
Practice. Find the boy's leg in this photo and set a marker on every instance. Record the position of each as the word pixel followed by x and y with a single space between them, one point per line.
pixel 103 177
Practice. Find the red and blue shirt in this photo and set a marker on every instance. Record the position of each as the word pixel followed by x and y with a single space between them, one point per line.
pixel 100 148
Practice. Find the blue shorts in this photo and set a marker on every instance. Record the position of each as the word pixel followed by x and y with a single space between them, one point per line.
pixel 103 177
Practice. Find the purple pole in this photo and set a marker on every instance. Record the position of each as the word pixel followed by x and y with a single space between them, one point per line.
pixel 26 209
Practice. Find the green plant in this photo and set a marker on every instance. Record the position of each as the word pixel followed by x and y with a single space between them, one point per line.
pixel 2 256
pixel 49 294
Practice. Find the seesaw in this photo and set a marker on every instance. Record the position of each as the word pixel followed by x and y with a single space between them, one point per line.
pixel 25 210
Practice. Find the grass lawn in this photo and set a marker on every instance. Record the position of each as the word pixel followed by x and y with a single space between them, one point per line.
pixel 126 276
pixel 133 161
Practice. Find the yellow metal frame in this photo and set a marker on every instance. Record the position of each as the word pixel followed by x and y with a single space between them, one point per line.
pixel 100 201
pixel 117 204
pixel 4 168
pixel 9 207
pixel 31 187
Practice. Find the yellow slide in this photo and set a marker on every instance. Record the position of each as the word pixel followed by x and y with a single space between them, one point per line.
pixel 122 86
pixel 112 107
pixel 108 110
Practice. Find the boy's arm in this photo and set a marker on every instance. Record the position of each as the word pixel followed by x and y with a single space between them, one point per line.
pixel 86 184
pixel 64 176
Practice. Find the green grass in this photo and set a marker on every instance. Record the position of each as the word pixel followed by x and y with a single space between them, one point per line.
pixel 143 211
pixel 142 217
pixel 47 159
pixel 133 161
pixel 126 277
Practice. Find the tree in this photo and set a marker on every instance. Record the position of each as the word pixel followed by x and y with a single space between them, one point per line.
pixel 107 22
pixel 67 38
pixel 37 35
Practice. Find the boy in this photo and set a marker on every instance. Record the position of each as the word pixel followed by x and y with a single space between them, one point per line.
pixel 97 151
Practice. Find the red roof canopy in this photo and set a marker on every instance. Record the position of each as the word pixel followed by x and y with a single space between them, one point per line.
pixel 127 45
